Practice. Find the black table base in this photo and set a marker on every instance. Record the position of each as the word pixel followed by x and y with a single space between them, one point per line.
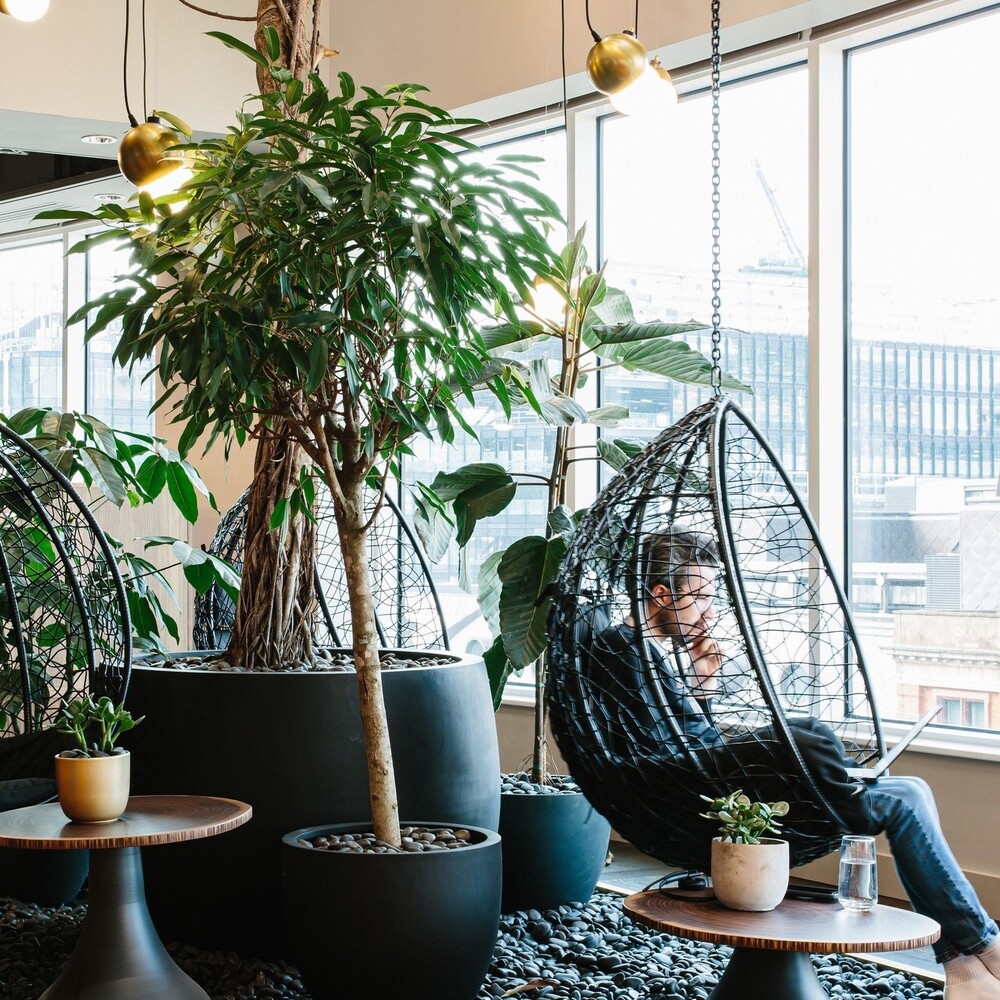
pixel 759 974
pixel 119 955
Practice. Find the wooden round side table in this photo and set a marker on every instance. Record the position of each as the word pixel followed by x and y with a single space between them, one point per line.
pixel 119 955
pixel 771 956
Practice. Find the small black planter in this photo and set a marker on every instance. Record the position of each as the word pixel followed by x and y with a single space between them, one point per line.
pixel 291 745
pixel 554 847
pixel 385 926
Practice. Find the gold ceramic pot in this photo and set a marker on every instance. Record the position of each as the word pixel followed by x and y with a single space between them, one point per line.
pixel 93 789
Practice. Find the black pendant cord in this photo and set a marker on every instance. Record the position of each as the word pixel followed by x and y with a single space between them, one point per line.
pixel 635 20
pixel 128 110
pixel 145 105
pixel 562 50
pixel 586 12
pixel 716 215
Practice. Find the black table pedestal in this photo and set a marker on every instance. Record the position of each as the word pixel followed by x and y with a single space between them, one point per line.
pixel 119 955
pixel 759 974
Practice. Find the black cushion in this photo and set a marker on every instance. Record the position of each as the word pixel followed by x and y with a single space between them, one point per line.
pixel 20 792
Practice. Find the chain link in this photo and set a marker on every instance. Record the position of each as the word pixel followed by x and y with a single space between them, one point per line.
pixel 716 215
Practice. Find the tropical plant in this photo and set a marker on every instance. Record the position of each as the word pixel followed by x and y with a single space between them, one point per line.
pixel 742 821
pixel 130 468
pixel 595 329
pixel 319 286
pixel 78 717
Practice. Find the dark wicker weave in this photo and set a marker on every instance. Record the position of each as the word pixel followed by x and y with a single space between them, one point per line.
pixel 408 612
pixel 782 621
pixel 66 629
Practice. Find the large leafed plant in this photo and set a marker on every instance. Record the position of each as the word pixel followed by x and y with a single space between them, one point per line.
pixel 319 286
pixel 593 328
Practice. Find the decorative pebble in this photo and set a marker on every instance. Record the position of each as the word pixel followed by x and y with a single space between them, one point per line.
pixel 589 951
pixel 520 783
pixel 324 661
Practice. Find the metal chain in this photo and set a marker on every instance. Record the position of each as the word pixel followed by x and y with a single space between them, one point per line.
pixel 716 215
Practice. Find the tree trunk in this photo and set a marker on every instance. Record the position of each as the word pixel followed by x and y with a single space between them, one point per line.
pixel 352 518
pixel 298 42
pixel 276 611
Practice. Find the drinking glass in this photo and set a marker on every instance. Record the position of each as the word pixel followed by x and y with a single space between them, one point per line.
pixel 857 888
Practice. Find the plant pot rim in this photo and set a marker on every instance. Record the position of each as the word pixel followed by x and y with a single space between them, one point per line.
pixel 489 837
pixel 110 756
pixel 764 842
pixel 141 661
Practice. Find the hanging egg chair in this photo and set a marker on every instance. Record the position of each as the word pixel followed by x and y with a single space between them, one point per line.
pixel 642 737
pixel 408 612
pixel 66 629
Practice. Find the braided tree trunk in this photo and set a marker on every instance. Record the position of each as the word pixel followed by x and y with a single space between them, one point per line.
pixel 276 611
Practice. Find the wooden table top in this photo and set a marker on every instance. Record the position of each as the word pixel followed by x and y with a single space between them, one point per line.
pixel 147 820
pixel 796 925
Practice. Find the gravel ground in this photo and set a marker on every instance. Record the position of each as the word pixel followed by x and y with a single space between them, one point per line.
pixel 580 952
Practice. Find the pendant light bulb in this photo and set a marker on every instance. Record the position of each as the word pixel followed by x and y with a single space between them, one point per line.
pixel 142 159
pixel 24 10
pixel 615 62
pixel 650 94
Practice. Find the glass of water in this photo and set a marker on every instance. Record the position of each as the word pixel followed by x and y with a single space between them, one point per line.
pixel 858 885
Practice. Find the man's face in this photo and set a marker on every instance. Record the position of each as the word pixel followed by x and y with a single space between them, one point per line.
pixel 688 611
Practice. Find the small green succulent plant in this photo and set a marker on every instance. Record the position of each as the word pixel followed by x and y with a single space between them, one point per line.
pixel 80 715
pixel 742 821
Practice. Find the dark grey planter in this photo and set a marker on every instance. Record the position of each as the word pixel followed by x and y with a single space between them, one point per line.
pixel 554 847
pixel 290 744
pixel 385 926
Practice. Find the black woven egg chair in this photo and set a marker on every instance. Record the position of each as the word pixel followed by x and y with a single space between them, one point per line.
pixel 407 607
pixel 66 633
pixel 793 684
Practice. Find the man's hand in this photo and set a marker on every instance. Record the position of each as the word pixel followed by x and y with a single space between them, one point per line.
pixel 706 659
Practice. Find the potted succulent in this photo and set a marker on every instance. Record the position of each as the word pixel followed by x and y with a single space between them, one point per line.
pixel 92 780
pixel 749 870
pixel 554 843
pixel 318 288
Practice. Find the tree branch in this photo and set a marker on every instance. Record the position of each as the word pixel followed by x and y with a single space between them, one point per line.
pixel 215 13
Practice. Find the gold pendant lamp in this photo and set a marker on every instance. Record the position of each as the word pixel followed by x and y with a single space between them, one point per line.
pixel 24 10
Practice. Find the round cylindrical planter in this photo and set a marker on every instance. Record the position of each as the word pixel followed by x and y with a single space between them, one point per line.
pixel 750 876
pixel 93 789
pixel 384 926
pixel 291 745
pixel 554 847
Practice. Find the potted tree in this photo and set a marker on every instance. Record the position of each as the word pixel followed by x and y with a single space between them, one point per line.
pixel 749 869
pixel 554 843
pixel 318 287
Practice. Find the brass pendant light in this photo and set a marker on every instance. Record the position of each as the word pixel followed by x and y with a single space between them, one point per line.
pixel 143 156
pixel 619 65
pixel 24 10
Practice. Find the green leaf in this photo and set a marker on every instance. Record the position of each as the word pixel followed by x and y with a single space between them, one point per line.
pixel 182 492
pixel 488 590
pixel 435 527
pixel 105 473
pixel 608 416
pixel 279 514
pixel 235 43
pixel 319 360
pixel 498 669
pixel 178 123
pixel 272 43
pixel 527 570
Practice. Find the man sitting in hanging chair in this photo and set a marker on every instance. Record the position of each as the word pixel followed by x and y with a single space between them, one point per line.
pixel 660 679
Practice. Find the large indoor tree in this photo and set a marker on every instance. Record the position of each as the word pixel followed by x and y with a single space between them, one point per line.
pixel 319 286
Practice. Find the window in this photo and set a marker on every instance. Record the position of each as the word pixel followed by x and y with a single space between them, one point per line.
pixel 520 444
pixel 655 212
pixel 923 285
pixel 876 368
pixel 38 283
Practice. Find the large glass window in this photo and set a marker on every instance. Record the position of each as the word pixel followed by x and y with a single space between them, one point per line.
pixel 924 361
pixel 31 325
pixel 37 286
pixel 655 210
pixel 519 443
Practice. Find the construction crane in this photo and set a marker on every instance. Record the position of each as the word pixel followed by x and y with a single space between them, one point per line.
pixel 795 262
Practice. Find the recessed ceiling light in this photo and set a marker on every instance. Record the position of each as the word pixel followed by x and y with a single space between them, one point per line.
pixel 109 196
pixel 11 151
pixel 98 140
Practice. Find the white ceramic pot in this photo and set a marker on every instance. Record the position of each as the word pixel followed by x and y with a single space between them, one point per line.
pixel 750 876
pixel 93 789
